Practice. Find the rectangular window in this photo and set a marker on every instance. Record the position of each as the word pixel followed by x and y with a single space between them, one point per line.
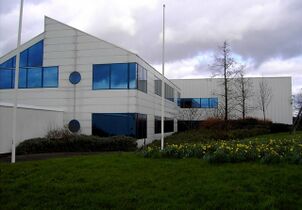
pixel 168 125
pixel 113 124
pixel 34 77
pixel 198 102
pixel 6 78
pixel 7 73
pixel 169 92
pixel 119 76
pixel 157 86
pixel 132 76
pixel 44 77
pixel 157 124
pixel 50 77
pixel 213 102
pixel 142 79
pixel 115 76
pixel 101 76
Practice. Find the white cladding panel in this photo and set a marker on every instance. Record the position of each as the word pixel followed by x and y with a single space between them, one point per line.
pixel 31 123
pixel 279 109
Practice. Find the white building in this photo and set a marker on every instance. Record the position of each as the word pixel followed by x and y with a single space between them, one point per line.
pixel 70 77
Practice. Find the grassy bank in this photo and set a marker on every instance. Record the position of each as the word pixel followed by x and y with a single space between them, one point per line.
pixel 129 181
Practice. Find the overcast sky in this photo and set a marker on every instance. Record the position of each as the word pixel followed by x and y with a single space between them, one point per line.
pixel 264 34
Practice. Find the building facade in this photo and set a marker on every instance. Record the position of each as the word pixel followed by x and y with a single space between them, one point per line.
pixel 102 89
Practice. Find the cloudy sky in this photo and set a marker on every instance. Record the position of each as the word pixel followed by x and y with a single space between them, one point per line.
pixel 264 34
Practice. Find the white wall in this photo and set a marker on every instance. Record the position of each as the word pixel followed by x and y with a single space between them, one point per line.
pixel 31 122
pixel 279 109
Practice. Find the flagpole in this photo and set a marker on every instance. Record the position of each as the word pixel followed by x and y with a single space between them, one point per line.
pixel 14 127
pixel 163 84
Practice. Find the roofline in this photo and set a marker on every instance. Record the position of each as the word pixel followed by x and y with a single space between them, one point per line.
pixel 206 78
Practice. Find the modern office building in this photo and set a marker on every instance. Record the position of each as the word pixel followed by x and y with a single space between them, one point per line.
pixel 68 77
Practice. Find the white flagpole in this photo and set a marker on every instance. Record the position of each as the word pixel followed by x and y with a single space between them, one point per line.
pixel 163 85
pixel 13 158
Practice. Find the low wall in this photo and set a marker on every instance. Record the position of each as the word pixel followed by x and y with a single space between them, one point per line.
pixel 31 122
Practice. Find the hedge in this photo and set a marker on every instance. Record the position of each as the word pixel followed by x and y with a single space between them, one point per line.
pixel 78 143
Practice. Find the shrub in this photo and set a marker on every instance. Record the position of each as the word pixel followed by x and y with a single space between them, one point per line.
pixel 59 133
pixel 78 143
pixel 279 127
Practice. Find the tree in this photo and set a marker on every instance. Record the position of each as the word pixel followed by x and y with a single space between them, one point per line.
pixel 244 92
pixel 223 65
pixel 264 97
pixel 189 114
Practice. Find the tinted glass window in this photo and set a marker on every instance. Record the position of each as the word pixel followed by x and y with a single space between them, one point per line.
pixel 157 84
pixel 169 92
pixel 6 78
pixel 213 102
pixel 35 55
pixel 101 76
pixel 50 76
pixel 141 128
pixel 119 76
pixel 34 77
pixel 142 79
pixel 204 102
pixel 169 125
pixel 74 77
pixel 132 75
pixel 22 78
pixel 195 102
pixel 157 124
pixel 114 124
pixel 23 58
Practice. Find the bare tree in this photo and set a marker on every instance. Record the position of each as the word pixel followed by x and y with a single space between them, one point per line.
pixel 297 102
pixel 190 114
pixel 244 92
pixel 223 66
pixel 264 97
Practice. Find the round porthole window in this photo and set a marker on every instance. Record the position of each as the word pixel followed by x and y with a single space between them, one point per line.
pixel 75 77
pixel 74 126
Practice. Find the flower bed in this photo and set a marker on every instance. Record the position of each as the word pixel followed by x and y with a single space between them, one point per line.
pixel 270 151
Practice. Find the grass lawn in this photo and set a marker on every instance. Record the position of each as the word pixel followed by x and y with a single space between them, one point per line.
pixel 129 181
pixel 204 136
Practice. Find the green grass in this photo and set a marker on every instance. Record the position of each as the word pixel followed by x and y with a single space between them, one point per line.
pixel 129 181
pixel 205 136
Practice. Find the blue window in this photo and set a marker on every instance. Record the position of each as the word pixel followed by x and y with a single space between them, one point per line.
pixel 115 76
pixel 112 124
pixel 119 76
pixel 101 76
pixel 38 77
pixel 132 75
pixel 74 77
pixel 32 56
pixel 6 79
pixel 213 102
pixel 204 102
pixel 198 102
pixel 7 76
pixel 34 77
pixel 50 76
